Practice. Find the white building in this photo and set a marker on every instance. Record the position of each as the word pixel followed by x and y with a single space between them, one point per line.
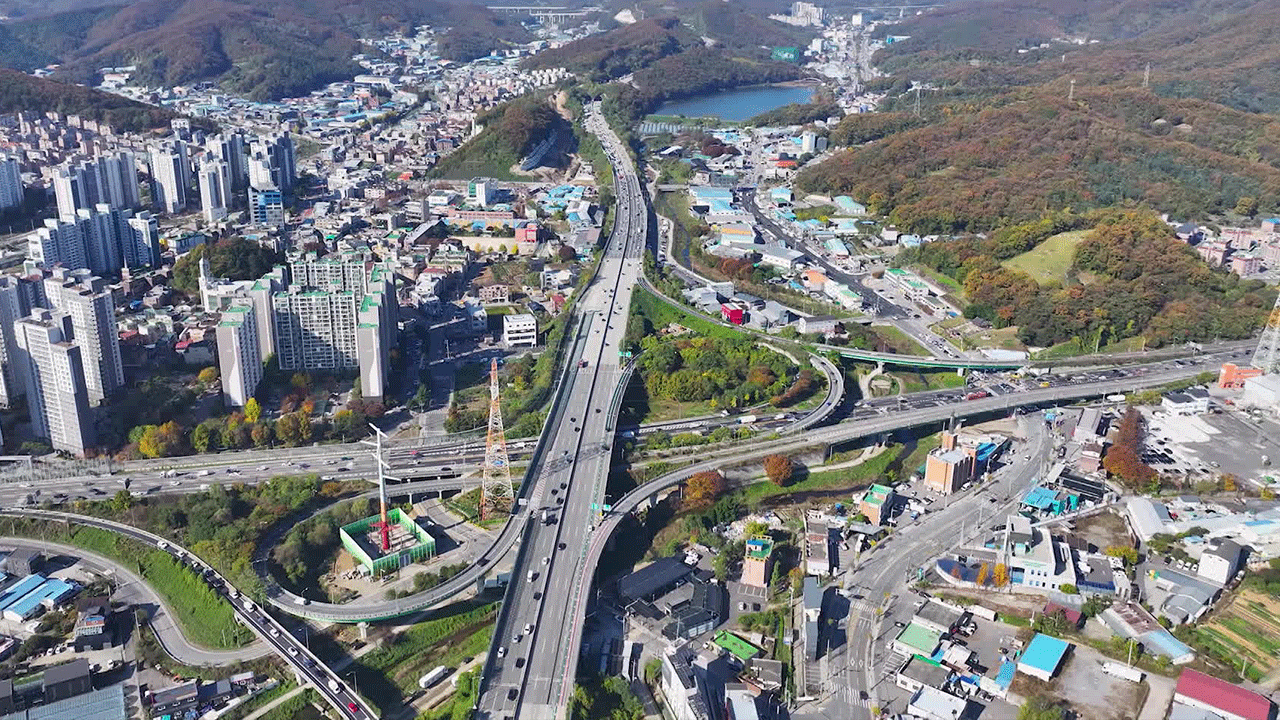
pixel 929 703
pixel 12 385
pixel 1219 563
pixel 685 696
pixel 1192 401
pixel 142 245
pixel 54 373
pixel 10 182
pixel 230 149
pixel 239 353
pixel 215 189
pixel 87 300
pixel 519 330
pixel 58 242
pixel 1261 392
pixel 169 176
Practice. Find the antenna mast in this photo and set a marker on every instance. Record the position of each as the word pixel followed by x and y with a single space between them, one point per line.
pixel 1146 76
pixel 495 487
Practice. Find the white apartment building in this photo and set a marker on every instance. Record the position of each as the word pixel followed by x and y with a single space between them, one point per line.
pixel 215 190
pixel 169 175
pixel 86 299
pixel 12 384
pixel 231 149
pixel 56 395
pixel 239 353
pixel 58 242
pixel 10 182
pixel 141 246
pixel 519 330
pixel 315 330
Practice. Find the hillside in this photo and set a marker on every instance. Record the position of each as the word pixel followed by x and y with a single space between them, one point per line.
pixel 1144 282
pixel 1032 150
pixel 1218 50
pixel 511 130
pixel 610 55
pixel 19 91
pixel 261 50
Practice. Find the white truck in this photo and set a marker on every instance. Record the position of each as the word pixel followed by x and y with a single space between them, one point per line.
pixel 248 604
pixel 334 686
pixel 1121 670
pixel 747 419
pixel 433 677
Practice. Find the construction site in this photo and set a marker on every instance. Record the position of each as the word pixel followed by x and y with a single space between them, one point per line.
pixel 380 548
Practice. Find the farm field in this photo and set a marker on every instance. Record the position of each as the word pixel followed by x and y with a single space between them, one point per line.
pixel 1247 630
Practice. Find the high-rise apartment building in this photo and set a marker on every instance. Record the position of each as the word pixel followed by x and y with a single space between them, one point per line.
pixel 110 180
pixel 10 182
pixel 169 176
pixel 272 162
pixel 239 353
pixel 142 246
pixel 215 190
pixel 12 385
pixel 230 148
pixel 86 299
pixel 54 373
pixel 315 329
pixel 59 242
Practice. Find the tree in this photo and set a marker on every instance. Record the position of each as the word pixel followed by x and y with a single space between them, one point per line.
pixel 702 489
pixel 293 429
pixel 1247 206
pixel 208 375
pixel 261 434
pixel 200 438
pixel 252 410
pixel 566 253
pixel 1040 708
pixel 1000 576
pixel 779 469
pixel 161 441
pixel 420 399
pixel 1069 589
pixel 984 572
pixel 756 528
pixel 1127 554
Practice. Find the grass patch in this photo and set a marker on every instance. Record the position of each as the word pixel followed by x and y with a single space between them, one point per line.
pixel 924 446
pixel 913 382
pixel 1050 261
pixel 816 212
pixel 467 505
pixel 391 672
pixel 826 481
pixel 1074 348
pixel 898 341
pixel 205 618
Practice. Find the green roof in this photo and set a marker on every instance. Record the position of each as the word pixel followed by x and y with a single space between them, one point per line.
pixel 877 494
pixel 736 646
pixel 759 548
pixel 920 638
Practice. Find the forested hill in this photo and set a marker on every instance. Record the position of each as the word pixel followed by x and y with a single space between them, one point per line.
pixel 1033 150
pixel 19 91
pixel 1129 277
pixel 511 130
pixel 1218 50
pixel 263 50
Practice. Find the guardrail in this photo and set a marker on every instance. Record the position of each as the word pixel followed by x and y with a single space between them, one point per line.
pixel 180 553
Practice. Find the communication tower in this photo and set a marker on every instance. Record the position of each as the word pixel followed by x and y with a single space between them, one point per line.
pixel 495 487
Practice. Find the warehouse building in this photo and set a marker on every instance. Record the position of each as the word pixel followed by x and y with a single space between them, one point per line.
pixel 1043 656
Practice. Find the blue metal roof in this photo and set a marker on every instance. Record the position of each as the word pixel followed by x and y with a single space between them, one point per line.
pixel 54 589
pixel 19 589
pixel 1044 652
pixel 1004 676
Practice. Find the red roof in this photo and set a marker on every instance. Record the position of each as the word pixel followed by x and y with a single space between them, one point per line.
pixel 1073 616
pixel 1215 693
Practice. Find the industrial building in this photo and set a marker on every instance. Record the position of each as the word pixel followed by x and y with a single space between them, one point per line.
pixel 1043 656
pixel 1198 691
pixel 654 579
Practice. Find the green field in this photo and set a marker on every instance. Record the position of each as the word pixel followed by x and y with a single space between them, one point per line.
pixel 1050 260
pixel 840 479
pixel 901 343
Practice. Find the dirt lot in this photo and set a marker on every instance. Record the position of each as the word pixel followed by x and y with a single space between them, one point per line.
pixel 1103 529
pixel 1091 693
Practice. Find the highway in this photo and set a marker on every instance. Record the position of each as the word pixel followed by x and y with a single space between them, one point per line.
pixel 530 671
pixel 307 667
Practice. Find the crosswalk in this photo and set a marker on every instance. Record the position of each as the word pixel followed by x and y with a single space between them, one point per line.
pixel 849 696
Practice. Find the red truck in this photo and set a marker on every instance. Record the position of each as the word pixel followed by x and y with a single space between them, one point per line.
pixel 582 363
pixel 977 395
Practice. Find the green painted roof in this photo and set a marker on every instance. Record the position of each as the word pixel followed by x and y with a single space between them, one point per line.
pixel 736 646
pixel 920 638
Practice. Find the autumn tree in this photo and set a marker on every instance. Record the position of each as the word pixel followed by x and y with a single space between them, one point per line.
pixel 1124 552
pixel 984 573
pixel 208 375
pixel 161 440
pixel 1000 576
pixel 1124 457
pixel 252 410
pixel 779 469
pixel 702 489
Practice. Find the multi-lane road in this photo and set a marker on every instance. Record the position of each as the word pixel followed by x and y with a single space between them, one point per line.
pixel 529 674
pixel 306 666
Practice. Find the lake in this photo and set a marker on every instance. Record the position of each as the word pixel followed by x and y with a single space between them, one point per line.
pixel 738 104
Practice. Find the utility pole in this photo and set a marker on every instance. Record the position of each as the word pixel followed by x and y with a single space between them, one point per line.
pixel 917 101
pixel 1071 94
pixel 1146 76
